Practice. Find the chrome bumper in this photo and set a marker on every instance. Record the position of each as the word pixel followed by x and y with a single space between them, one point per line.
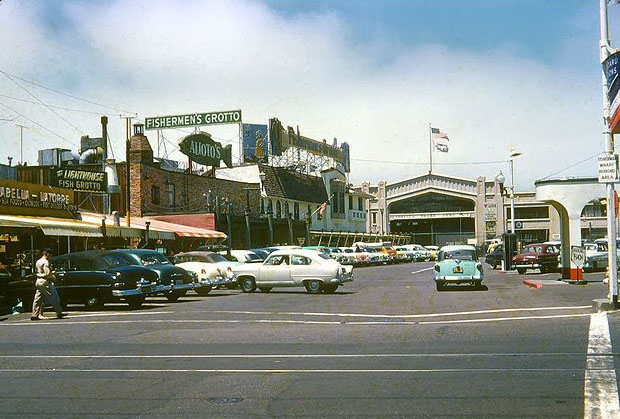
pixel 532 266
pixel 128 293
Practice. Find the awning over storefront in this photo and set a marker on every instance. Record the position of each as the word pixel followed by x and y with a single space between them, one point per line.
pixel 182 230
pixel 52 226
pixel 135 231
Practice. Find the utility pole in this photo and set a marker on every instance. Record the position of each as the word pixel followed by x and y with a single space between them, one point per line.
pixel 606 51
pixel 21 143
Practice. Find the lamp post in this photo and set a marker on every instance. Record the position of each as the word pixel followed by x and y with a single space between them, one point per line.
pixel 513 153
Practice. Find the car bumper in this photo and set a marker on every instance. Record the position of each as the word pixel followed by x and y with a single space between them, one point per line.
pixel 129 293
pixel 458 279
pixel 342 279
pixel 185 286
pixel 527 266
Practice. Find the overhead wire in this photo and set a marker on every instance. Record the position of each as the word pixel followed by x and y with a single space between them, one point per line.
pixel 434 163
pixel 66 94
pixel 39 125
pixel 58 107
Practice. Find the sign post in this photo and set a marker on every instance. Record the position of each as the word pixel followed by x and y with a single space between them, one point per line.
pixel 578 258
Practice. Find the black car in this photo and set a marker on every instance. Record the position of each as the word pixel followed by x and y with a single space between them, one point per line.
pixel 92 278
pixel 176 281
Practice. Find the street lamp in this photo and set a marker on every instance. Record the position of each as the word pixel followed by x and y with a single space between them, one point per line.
pixel 513 153
pixel 500 179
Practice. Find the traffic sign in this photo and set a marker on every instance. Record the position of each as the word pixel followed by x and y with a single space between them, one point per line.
pixel 577 255
pixel 608 168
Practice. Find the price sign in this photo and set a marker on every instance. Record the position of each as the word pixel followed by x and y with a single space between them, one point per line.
pixel 577 255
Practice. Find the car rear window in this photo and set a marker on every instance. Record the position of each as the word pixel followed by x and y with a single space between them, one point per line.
pixel 154 258
pixel 114 260
pixel 460 254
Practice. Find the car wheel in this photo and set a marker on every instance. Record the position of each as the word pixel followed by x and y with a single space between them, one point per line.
pixel 248 285
pixel 202 291
pixel 313 286
pixel 135 302
pixel 521 271
pixel 330 288
pixel 478 285
pixel 265 289
pixel 594 266
pixel 93 302
pixel 172 296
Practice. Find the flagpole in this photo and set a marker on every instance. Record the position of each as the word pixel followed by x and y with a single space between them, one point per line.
pixel 430 149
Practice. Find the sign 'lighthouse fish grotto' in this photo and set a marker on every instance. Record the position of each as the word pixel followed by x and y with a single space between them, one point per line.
pixel 201 149
pixel 194 119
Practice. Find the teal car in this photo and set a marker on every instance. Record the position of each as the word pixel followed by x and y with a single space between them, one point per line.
pixel 457 265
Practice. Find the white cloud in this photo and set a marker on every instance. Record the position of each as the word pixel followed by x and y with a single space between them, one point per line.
pixel 161 57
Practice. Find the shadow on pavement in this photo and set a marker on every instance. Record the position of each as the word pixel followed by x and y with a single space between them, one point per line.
pixel 464 288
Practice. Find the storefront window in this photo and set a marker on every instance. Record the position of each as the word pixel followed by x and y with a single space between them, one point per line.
pixel 170 195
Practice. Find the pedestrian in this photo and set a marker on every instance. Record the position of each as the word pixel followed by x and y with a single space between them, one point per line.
pixel 44 291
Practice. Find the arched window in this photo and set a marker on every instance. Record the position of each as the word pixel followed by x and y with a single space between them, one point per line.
pixel 296 211
pixel 286 210
pixel 278 209
pixel 262 206
pixel 270 206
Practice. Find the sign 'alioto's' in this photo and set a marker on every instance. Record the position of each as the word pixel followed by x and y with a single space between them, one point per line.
pixel 203 150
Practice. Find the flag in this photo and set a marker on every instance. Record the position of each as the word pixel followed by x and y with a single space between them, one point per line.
pixel 437 134
pixel 439 139
pixel 320 210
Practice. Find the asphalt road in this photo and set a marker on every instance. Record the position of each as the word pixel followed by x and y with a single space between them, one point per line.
pixel 387 345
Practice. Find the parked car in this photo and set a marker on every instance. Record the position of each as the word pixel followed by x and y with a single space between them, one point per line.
pixel 209 274
pixel 536 256
pixel 495 256
pixel 219 261
pixel 420 252
pixel 92 278
pixel 262 253
pixel 313 270
pixel 457 265
pixel 177 280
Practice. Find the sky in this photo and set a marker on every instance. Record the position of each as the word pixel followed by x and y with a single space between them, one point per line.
pixel 492 74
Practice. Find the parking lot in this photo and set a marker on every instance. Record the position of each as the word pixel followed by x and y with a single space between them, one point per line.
pixel 387 344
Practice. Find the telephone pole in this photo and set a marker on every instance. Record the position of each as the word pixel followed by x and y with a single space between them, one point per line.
pixel 128 171
pixel 21 143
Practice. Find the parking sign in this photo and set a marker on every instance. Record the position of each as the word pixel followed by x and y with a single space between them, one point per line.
pixel 577 255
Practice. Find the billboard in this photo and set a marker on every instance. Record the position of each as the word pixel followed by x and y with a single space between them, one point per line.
pixel 611 68
pixel 254 142
pixel 80 180
pixel 192 120
pixel 282 139
pixel 200 148
pixel 18 198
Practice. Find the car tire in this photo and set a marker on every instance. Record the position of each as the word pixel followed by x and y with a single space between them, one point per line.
pixel 94 302
pixel 440 286
pixel 330 288
pixel 521 271
pixel 172 296
pixel 265 289
pixel 135 302
pixel 594 266
pixel 247 284
pixel 478 285
pixel 202 291
pixel 313 286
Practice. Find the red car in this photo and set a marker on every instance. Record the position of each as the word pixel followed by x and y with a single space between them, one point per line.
pixel 541 256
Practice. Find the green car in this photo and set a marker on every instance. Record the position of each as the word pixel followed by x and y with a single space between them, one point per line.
pixel 457 265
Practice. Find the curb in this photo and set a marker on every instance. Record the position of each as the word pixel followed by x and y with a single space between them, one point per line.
pixel 532 284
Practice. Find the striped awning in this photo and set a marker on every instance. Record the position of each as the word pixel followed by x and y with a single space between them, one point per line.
pixel 71 230
pixel 52 226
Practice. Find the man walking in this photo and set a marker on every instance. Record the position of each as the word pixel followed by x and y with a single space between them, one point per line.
pixel 44 290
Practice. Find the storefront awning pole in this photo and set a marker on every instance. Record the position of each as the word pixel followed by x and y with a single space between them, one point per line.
pixel 32 250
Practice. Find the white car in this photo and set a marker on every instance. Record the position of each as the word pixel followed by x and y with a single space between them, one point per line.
pixel 313 270
pixel 206 266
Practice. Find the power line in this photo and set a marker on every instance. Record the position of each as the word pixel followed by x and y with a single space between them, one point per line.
pixel 44 104
pixel 57 107
pixel 67 94
pixel 39 125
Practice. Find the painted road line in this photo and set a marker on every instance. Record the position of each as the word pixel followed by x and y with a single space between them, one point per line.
pixel 295 371
pixel 600 383
pixel 397 316
pixel 146 313
pixel 275 321
pixel 423 270
pixel 302 356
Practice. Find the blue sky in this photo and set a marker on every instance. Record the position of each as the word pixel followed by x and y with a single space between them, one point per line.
pixel 492 73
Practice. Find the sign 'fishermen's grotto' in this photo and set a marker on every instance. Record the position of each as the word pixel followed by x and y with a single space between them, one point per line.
pixel 203 150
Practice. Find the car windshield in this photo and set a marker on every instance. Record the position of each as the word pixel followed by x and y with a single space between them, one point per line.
pixel 324 256
pixel 110 261
pixel 218 258
pixel 460 254
pixel 154 258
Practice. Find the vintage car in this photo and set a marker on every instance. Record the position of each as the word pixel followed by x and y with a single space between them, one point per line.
pixel 176 279
pixel 457 265
pixel 93 278
pixel 541 256
pixel 209 274
pixel 313 270
pixel 262 253
pixel 218 261
pixel 361 257
pixel 420 252
pixel 495 256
